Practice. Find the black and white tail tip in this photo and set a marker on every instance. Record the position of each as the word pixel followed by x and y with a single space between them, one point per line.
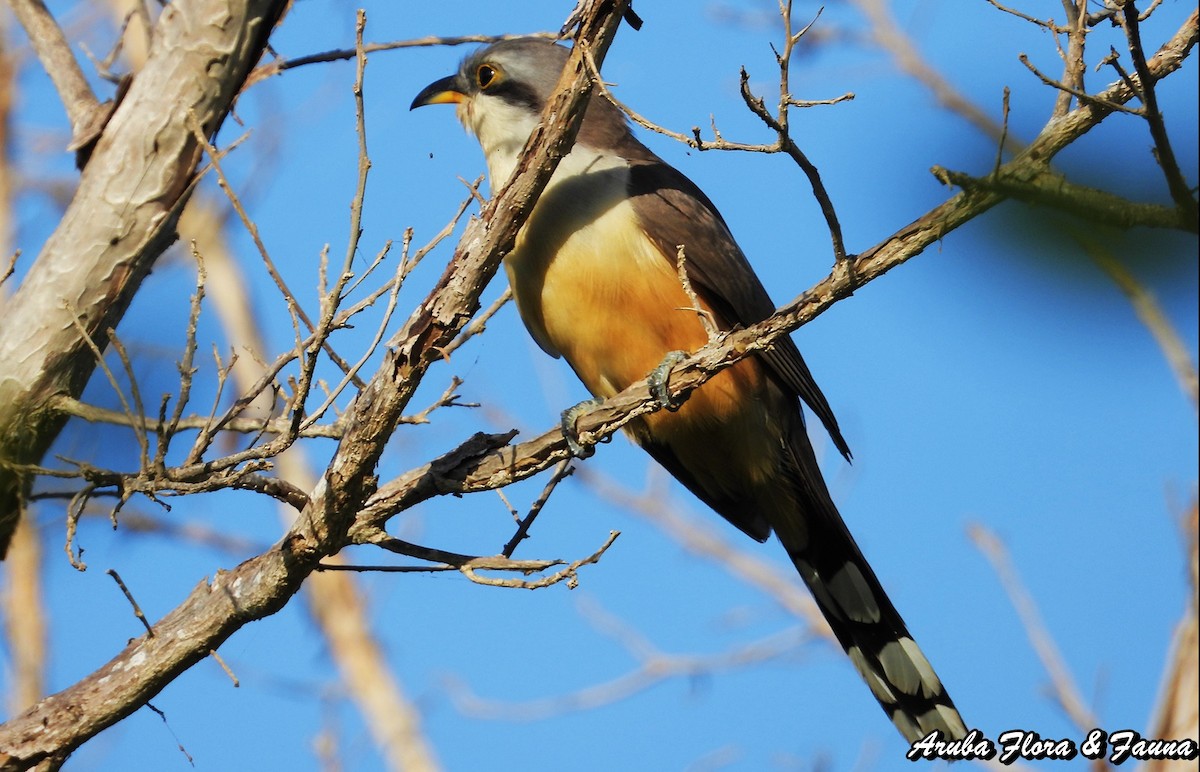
pixel 905 684
pixel 879 645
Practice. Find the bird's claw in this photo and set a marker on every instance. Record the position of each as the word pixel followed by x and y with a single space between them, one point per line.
pixel 578 449
pixel 659 377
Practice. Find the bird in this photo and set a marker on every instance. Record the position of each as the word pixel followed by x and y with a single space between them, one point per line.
pixel 595 275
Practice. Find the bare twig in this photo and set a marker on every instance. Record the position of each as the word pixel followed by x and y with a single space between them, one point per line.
pixel 11 268
pixel 289 297
pixel 1049 188
pixel 1082 96
pixel 705 316
pixel 449 398
pixel 777 122
pixel 1048 24
pixel 221 662
pixel 561 472
pixel 1074 66
pixel 1180 191
pixel 341 54
pixel 186 367
pixel 470 565
pixel 137 610
pixel 479 323
pixel 569 574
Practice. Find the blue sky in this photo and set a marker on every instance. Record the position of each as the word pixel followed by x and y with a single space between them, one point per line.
pixel 1000 379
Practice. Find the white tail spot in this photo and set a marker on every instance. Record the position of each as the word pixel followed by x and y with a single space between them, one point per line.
pixel 898 668
pixel 907 726
pixel 931 685
pixel 878 686
pixel 945 719
pixel 854 595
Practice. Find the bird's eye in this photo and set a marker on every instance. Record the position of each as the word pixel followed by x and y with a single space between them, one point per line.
pixel 485 75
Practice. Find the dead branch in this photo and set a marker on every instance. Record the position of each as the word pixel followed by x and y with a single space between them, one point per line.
pixel 121 218
pixel 263 584
pixel 1175 351
pixel 1181 192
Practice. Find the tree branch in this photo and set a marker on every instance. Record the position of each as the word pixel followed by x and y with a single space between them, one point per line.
pixel 86 114
pixel 120 220
pixel 262 585
pixel 1049 188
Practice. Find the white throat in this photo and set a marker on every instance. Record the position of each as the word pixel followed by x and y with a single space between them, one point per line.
pixel 502 130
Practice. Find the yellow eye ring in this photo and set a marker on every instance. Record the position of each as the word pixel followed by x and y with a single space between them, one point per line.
pixel 486 75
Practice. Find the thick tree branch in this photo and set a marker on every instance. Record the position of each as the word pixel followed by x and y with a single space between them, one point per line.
pixel 1049 188
pixel 264 584
pixel 120 220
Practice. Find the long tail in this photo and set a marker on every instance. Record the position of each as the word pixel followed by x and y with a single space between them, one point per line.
pixel 858 610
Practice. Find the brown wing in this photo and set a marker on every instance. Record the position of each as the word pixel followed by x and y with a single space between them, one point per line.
pixel 717 268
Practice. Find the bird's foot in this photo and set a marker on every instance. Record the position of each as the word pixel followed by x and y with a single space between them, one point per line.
pixel 578 449
pixel 660 376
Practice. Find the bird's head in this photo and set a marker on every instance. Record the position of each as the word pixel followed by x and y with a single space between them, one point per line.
pixel 500 90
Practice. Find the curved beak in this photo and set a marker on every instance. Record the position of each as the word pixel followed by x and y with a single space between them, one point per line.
pixel 441 92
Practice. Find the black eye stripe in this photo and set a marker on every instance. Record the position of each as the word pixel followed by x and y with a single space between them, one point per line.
pixel 518 93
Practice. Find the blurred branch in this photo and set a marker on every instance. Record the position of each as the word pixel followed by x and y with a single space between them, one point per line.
pixel 700 538
pixel 1046 187
pixel 1177 714
pixel 1146 307
pixel 25 618
pixel 86 114
pixel 653 667
pixel 1065 692
pixel 904 52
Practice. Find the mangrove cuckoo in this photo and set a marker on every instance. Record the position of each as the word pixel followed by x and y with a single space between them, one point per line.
pixel 594 274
